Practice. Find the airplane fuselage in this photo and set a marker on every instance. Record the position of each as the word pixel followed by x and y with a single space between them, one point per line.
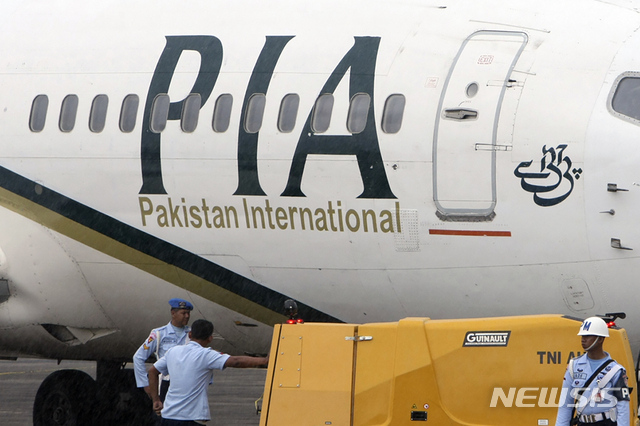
pixel 372 161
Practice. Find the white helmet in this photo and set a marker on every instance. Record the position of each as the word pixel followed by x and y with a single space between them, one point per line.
pixel 594 326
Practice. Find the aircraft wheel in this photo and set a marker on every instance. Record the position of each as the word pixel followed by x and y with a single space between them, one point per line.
pixel 120 402
pixel 65 398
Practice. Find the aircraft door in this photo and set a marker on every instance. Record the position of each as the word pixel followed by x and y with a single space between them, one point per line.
pixel 464 142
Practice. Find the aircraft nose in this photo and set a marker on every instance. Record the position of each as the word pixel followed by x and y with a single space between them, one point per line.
pixel 47 282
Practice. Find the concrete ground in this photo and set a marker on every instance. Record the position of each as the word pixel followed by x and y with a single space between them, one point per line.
pixel 231 398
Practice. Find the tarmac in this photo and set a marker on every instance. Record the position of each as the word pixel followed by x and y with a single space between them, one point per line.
pixel 231 397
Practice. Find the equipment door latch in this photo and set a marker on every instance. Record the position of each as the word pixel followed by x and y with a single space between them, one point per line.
pixel 359 338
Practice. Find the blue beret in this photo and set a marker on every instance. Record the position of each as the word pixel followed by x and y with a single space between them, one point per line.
pixel 180 304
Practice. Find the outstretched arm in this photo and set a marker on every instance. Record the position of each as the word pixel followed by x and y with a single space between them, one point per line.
pixel 246 361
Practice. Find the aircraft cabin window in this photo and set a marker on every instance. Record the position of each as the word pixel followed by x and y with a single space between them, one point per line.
pixel 128 113
pixel 68 113
pixel 321 118
pixel 626 98
pixel 255 113
pixel 222 113
pixel 358 111
pixel 288 113
pixel 98 115
pixel 393 113
pixel 190 113
pixel 38 113
pixel 159 113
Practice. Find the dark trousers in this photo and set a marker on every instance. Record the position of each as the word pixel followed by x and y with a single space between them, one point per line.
pixel 169 422
pixel 164 388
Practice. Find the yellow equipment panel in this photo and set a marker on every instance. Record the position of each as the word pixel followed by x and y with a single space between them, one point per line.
pixel 503 371
pixel 490 371
pixel 289 361
pixel 310 376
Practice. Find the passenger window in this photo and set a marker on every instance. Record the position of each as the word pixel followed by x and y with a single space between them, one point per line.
pixel 98 115
pixel 393 113
pixel 626 99
pixel 68 113
pixel 288 113
pixel 129 113
pixel 38 113
pixel 255 113
pixel 222 113
pixel 190 113
pixel 159 113
pixel 321 118
pixel 358 111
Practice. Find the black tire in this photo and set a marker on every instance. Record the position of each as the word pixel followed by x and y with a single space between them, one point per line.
pixel 65 398
pixel 121 403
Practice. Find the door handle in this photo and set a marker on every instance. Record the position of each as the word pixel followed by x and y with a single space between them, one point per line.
pixel 461 114
pixel 617 244
pixel 359 338
pixel 613 187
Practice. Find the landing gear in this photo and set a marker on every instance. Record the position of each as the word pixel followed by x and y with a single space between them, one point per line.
pixel 73 398
pixel 121 402
pixel 65 398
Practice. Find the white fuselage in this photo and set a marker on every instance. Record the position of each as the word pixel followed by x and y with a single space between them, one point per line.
pixel 487 201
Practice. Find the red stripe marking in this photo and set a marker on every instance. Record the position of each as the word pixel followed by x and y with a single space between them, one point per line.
pixel 470 233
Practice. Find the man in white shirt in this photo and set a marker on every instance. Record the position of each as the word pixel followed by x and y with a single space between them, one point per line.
pixel 191 368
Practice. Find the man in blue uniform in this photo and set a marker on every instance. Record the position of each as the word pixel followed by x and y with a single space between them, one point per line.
pixel 160 340
pixel 595 386
pixel 191 367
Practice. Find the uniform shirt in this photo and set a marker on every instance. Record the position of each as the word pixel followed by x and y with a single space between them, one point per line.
pixel 191 368
pixel 581 373
pixel 168 339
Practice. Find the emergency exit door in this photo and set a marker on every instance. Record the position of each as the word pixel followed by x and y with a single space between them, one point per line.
pixel 464 142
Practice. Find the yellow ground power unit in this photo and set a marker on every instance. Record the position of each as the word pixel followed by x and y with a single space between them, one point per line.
pixel 490 371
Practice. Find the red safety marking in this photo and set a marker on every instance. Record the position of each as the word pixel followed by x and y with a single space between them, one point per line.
pixel 470 233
